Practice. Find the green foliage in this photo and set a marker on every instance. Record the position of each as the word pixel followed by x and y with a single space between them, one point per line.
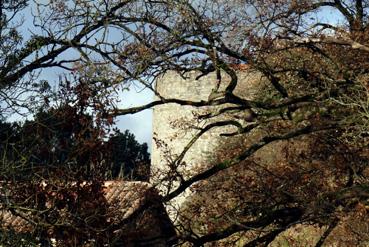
pixel 129 159
pixel 65 142
pixel 58 140
pixel 10 238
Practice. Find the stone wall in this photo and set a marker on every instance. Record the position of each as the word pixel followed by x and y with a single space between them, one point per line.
pixel 174 125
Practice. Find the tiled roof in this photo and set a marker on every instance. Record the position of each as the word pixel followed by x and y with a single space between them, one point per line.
pixel 122 197
pixel 127 196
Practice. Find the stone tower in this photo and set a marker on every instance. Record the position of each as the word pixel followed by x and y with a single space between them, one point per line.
pixel 174 126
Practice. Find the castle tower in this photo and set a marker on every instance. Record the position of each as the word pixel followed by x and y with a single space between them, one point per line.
pixel 174 126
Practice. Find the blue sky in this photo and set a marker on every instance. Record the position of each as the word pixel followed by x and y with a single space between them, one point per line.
pixel 140 124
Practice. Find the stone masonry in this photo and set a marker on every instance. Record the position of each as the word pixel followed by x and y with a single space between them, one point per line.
pixel 175 125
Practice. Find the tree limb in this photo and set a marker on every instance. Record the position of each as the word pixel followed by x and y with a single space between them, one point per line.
pixel 251 150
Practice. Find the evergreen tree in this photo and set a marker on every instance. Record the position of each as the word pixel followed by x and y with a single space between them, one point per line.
pixel 129 159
